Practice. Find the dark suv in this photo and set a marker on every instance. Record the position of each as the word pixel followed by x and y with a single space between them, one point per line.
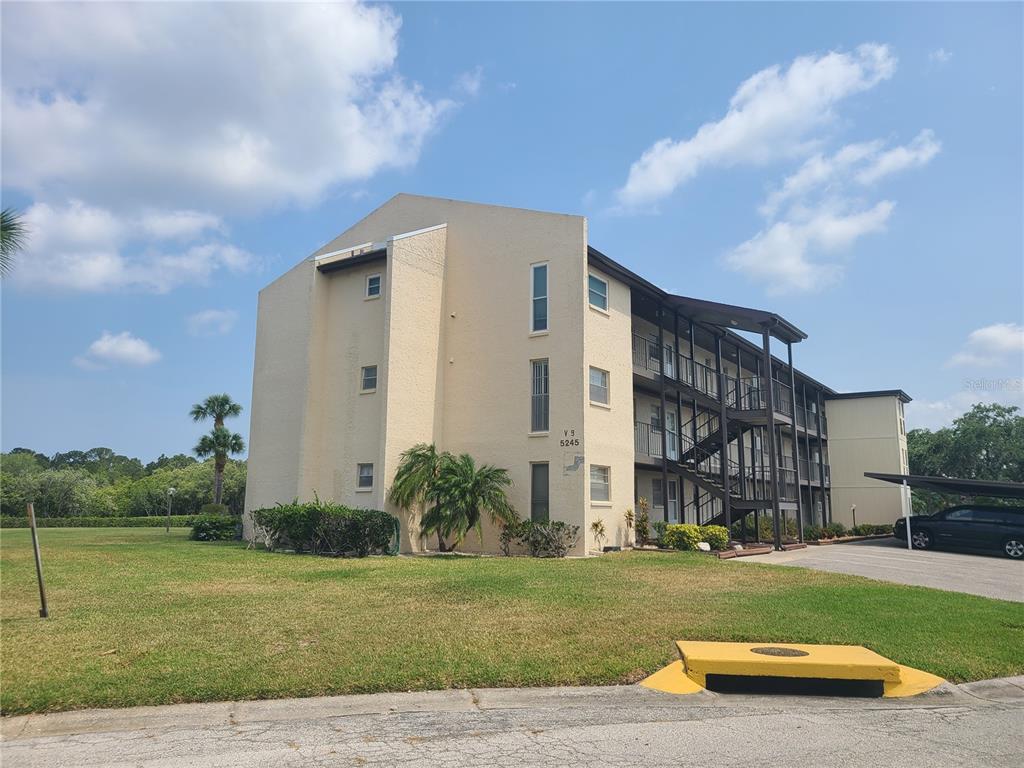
pixel 970 526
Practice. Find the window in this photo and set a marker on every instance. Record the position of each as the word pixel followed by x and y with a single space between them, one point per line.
pixel 539 297
pixel 539 493
pixel 598 293
pixel 372 286
pixel 599 483
pixel 962 515
pixel 368 381
pixel 657 493
pixel 539 395
pixel 598 386
pixel 365 477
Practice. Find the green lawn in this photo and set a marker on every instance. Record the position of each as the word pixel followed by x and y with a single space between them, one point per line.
pixel 142 618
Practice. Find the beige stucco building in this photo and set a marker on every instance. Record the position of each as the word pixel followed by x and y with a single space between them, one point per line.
pixel 501 333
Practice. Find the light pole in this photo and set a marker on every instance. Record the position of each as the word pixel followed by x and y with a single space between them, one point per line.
pixel 170 495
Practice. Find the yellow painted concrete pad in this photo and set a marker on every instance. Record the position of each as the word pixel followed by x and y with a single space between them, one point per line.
pixel 834 662
pixel 671 679
pixel 912 682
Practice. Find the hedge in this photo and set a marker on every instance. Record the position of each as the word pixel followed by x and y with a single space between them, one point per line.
pixel 177 521
pixel 551 538
pixel 323 528
pixel 215 527
pixel 687 536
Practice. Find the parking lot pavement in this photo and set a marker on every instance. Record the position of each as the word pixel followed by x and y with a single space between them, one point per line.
pixel 890 560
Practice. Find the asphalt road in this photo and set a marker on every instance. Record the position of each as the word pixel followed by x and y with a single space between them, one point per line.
pixel 890 560
pixel 617 726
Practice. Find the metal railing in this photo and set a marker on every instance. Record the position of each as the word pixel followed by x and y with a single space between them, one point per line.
pixel 647 441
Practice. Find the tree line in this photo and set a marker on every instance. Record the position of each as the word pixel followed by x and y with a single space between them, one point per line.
pixel 101 483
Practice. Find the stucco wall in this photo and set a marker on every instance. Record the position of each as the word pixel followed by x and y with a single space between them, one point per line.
pixel 413 384
pixel 864 436
pixel 281 376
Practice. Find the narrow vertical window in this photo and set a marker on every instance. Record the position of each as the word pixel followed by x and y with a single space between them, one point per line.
pixel 599 483
pixel 539 493
pixel 372 286
pixel 364 475
pixel 539 396
pixel 368 380
pixel 598 292
pixel 539 297
pixel 598 386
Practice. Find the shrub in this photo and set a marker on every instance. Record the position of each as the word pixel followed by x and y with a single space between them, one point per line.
pixel 329 529
pixel 177 521
pixel 834 530
pixel 360 532
pixel 553 538
pixel 684 536
pixel 214 509
pixel 659 532
pixel 643 527
pixel 717 536
pixel 869 529
pixel 214 528
pixel 813 532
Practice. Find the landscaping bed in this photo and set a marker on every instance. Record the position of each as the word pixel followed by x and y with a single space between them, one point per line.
pixel 848 539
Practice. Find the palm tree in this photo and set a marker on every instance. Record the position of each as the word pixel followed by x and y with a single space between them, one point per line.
pixel 13 234
pixel 461 494
pixel 216 407
pixel 417 472
pixel 219 443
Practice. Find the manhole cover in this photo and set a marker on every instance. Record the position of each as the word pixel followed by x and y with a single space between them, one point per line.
pixel 775 651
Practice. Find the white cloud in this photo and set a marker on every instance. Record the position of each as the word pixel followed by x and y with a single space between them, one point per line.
pixel 782 257
pixel 117 349
pixel 470 82
pixel 935 414
pixel 210 322
pixel 940 55
pixel 917 153
pixel 78 247
pixel 991 346
pixel 769 117
pixel 179 225
pixel 220 106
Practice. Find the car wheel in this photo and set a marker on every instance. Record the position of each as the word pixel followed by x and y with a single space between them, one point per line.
pixel 1014 548
pixel 921 539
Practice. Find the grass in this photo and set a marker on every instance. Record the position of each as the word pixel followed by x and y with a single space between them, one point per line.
pixel 139 617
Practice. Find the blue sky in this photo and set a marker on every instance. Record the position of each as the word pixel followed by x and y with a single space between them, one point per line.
pixel 856 168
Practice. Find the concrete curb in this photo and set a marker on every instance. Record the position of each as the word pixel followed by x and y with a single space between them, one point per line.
pixel 170 717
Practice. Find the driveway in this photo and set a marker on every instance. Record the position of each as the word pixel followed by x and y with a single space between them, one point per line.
pixel 890 560
pixel 972 725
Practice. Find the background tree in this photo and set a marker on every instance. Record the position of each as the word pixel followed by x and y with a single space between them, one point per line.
pixel 219 444
pixel 462 493
pixel 13 235
pixel 216 407
pixel 418 470
pixel 986 443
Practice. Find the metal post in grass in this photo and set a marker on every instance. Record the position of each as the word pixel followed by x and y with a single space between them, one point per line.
pixel 44 611
pixel 170 495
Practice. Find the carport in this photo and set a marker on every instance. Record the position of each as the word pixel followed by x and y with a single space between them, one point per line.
pixel 960 485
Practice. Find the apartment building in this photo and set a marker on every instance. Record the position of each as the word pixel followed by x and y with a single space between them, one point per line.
pixel 501 332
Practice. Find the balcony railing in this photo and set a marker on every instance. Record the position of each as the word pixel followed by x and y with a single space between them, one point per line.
pixel 647 441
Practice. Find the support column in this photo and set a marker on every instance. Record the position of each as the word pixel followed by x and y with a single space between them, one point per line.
pixel 739 439
pixel 679 419
pixel 796 448
pixel 773 462
pixel 723 429
pixel 664 415
pixel 807 450
pixel 826 511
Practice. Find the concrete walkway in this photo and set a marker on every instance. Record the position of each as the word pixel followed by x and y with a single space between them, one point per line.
pixel 890 560
pixel 969 725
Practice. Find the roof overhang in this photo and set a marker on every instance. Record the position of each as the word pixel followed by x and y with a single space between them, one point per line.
pixel 963 486
pixel 897 393
pixel 351 258
pixel 708 312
